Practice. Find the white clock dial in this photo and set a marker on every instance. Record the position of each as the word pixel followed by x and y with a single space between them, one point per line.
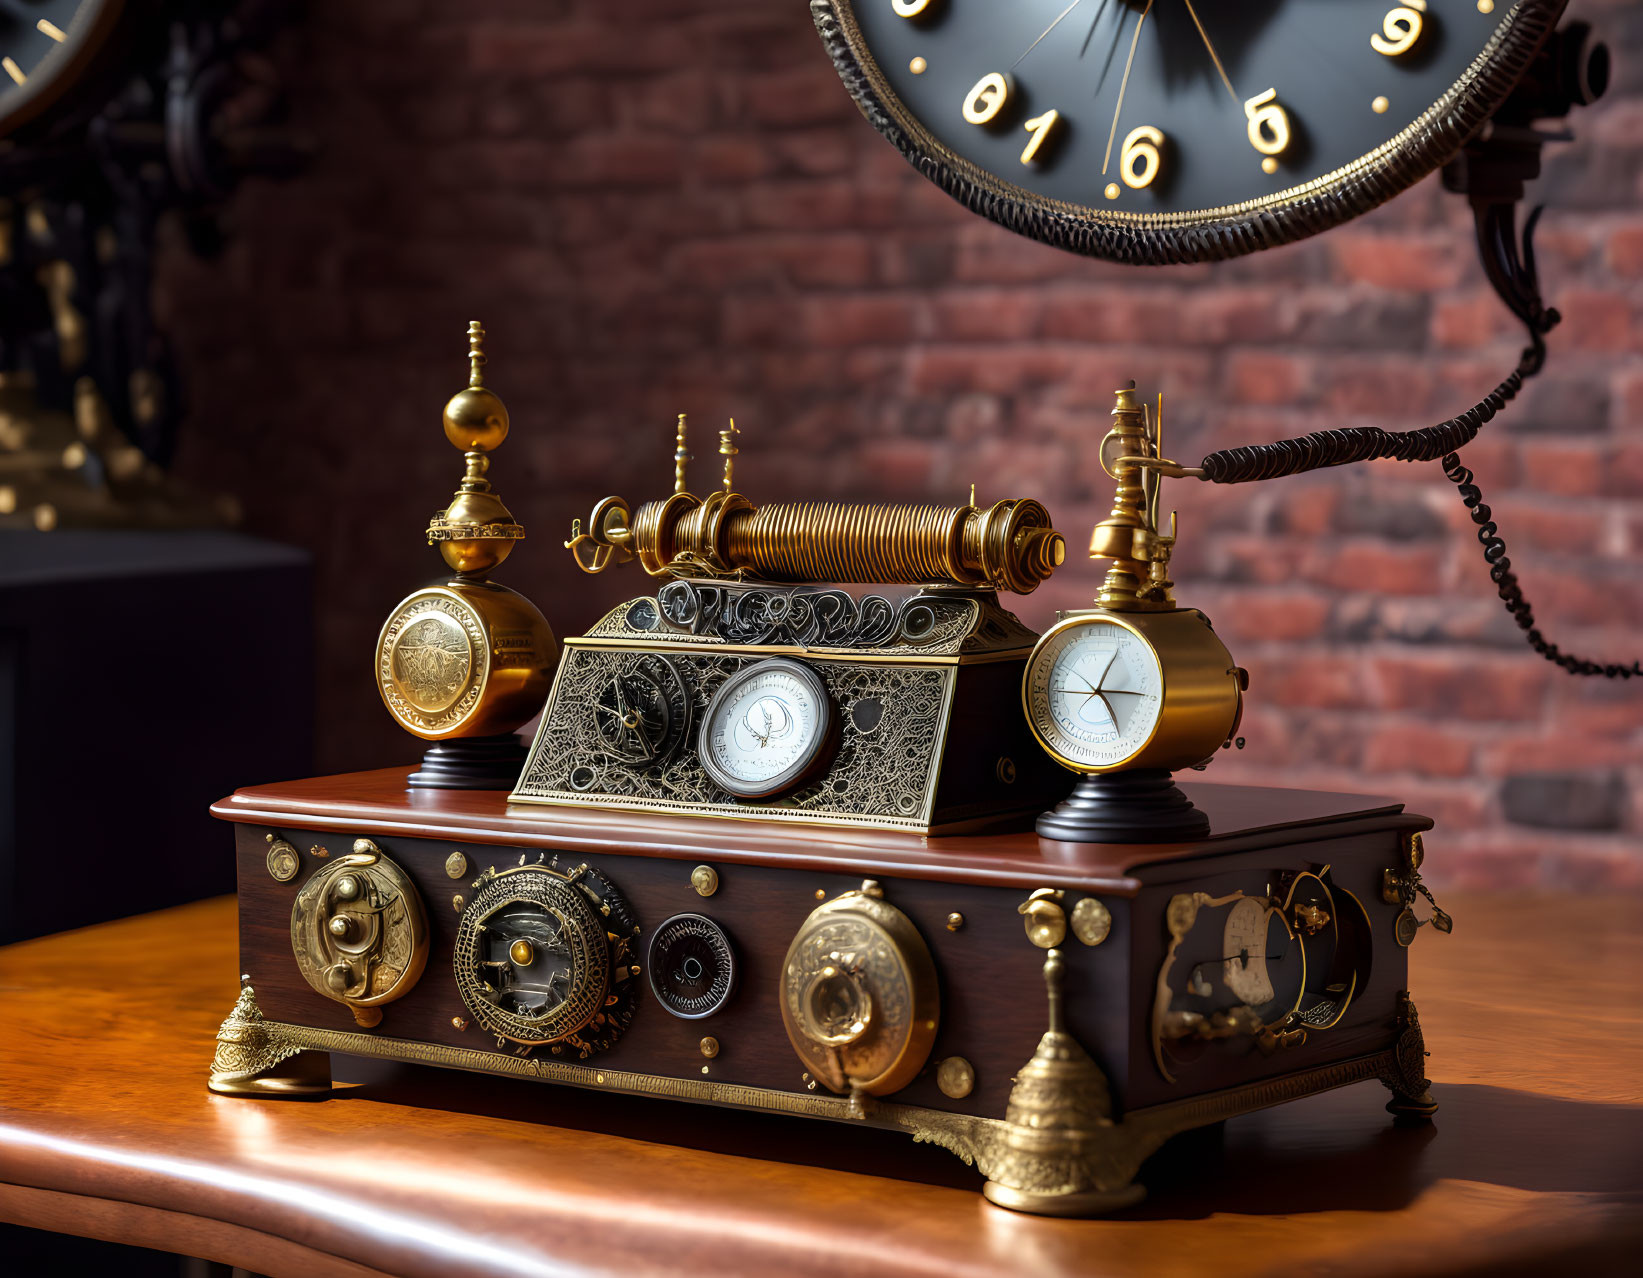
pixel 1094 693
pixel 1245 948
pixel 765 728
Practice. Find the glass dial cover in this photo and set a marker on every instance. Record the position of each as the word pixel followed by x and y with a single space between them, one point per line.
pixel 1094 692
pixel 768 729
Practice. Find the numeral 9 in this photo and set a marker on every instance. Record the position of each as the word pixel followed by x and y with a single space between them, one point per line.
pixel 1402 27
pixel 1140 147
pixel 1268 123
pixel 987 99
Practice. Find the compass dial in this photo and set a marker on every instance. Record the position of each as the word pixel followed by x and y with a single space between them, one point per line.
pixel 768 729
pixel 1094 691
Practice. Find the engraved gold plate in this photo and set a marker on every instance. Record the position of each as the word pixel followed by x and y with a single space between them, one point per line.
pixel 433 660
pixel 359 932
pixel 859 995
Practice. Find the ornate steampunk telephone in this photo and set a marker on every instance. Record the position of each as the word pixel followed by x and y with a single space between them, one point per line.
pixel 764 807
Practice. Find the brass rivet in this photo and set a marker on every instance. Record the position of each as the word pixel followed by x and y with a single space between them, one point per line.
pixel 821 894
pixel 458 904
pixel 459 1022
pixel 705 879
pixel 1269 165
pixel 1111 191
pixel 704 1069
pixel 710 1047
pixel 1092 921
pixel 918 66
pixel 521 953
pixel 955 920
pixel 1380 106
pixel 956 1077
pixel 456 865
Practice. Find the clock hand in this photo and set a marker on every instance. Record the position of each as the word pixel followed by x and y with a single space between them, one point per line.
pixel 1212 54
pixel 1123 86
pixel 1094 23
pixel 1047 31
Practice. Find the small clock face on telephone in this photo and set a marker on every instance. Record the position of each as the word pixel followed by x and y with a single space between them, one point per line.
pixel 767 729
pixel 1094 692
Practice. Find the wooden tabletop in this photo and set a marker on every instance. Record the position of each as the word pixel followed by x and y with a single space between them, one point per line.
pixel 1534 1165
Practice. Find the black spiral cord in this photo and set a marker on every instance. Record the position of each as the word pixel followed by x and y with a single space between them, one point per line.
pixel 1368 443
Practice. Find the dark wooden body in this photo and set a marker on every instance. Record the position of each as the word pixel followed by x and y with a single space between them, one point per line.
pixel 992 990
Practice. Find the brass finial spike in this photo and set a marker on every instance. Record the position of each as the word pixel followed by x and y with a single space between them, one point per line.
pixel 681 456
pixel 476 354
pixel 728 450
pixel 972 494
pixel 1053 968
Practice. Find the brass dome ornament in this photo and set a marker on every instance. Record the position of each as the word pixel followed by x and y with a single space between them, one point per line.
pixel 1059 1118
pixel 465 663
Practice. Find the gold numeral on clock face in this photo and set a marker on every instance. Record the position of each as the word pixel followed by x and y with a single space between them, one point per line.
pixel 1400 29
pixel 911 8
pixel 1139 160
pixel 1268 123
pixel 987 99
pixel 1041 127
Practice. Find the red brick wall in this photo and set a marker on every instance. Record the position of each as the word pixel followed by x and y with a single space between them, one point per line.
pixel 680 209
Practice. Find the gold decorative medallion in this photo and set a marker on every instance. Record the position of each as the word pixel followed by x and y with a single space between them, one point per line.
pixel 1092 921
pixel 283 861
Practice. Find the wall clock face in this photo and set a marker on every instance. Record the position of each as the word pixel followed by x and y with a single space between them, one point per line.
pixel 1179 130
pixel 44 46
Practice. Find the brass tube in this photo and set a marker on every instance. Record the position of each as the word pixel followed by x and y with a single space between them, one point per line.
pixel 1010 547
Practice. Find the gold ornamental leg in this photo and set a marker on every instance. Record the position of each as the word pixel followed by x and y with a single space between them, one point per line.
pixel 1405 1078
pixel 253 1059
pixel 1060 1153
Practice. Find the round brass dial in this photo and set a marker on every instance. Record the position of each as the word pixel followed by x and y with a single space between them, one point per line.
pixel 359 932
pixel 538 960
pixel 859 995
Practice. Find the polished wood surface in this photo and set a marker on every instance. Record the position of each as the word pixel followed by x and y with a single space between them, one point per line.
pixel 379 803
pixel 1534 1164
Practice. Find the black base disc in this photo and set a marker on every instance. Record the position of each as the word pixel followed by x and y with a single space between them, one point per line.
pixel 471 763
pixel 1125 807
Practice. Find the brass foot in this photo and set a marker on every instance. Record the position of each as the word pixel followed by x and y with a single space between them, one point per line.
pixel 305 1076
pixel 1405 1078
pixel 1060 1153
pixel 1414 1111
pixel 252 1059
pixel 1093 1202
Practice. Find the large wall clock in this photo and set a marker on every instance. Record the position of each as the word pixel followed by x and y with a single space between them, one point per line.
pixel 1155 131
pixel 45 48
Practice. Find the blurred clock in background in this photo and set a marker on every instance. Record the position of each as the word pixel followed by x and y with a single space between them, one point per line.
pixel 46 49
